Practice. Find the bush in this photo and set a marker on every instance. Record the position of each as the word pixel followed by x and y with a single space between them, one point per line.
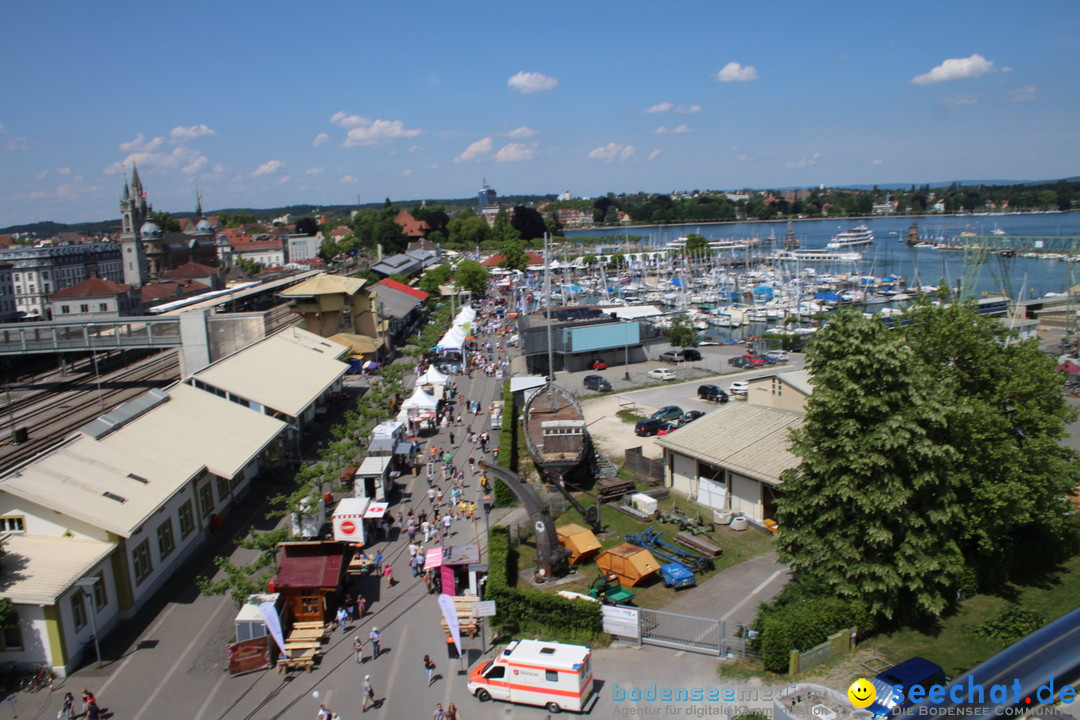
pixel 1009 624
pixel 801 626
pixel 524 611
pixel 508 453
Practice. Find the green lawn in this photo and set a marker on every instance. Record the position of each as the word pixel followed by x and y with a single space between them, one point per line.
pixel 957 650
pixel 737 546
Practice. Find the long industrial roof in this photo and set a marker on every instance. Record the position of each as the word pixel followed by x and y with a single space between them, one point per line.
pixel 118 481
pixel 57 563
pixel 751 440
pixel 285 372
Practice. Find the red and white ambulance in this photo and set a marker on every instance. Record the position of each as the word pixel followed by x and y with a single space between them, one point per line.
pixel 533 672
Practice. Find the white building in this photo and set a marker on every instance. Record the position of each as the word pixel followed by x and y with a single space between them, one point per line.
pixel 38 272
pixel 304 247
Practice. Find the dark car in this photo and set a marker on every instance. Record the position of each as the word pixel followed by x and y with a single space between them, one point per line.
pixel 648 427
pixel 598 364
pixel 690 416
pixel 712 392
pixel 666 427
pixel 740 361
pixel 668 412
pixel 597 382
pixel 691 354
pixel 914 671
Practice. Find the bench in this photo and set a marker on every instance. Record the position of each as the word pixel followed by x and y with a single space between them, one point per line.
pixel 304 661
pixel 697 544
pixel 309 625
pixel 304 645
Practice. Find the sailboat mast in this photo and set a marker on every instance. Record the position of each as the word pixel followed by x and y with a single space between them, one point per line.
pixel 547 309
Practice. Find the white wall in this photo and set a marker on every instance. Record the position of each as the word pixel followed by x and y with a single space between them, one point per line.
pixel 746 497
pixel 683 473
pixel 46 521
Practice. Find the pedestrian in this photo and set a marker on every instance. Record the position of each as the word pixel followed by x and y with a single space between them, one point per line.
pixel 426 527
pixel 438 498
pixel 447 457
pixel 447 522
pixel 472 464
pixel 451 712
pixel 412 531
pixel 439 713
pixel 431 495
pixel 68 711
pixel 350 606
pixel 451 437
pixel 368 692
pixel 93 712
pixel 378 561
pixel 376 641
pixel 358 648
pixel 87 698
pixel 388 573
pixel 342 618
pixel 429 665
pixel 361 606
pixel 324 713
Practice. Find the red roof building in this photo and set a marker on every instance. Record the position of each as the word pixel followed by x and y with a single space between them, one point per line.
pixel 402 287
pixel 309 574
pixel 494 260
pixel 410 226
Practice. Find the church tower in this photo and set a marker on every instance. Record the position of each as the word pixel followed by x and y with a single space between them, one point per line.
pixel 133 213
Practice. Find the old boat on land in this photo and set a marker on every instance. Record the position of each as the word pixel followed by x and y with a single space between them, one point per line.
pixel 555 430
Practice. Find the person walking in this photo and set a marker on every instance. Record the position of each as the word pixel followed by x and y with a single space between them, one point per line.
pixel 439 713
pixel 343 619
pixel 426 527
pixel 376 642
pixel 451 437
pixel 451 712
pixel 429 665
pixel 388 573
pixel 358 648
pixel 67 712
pixel 325 713
pixel 368 692
pixel 448 520
pixel 361 606
pixel 87 698
pixel 378 561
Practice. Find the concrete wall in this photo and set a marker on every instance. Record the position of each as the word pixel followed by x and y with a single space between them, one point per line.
pixel 773 392
pixel 746 497
pixel 683 471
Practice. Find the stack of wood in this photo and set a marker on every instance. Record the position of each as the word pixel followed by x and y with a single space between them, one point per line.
pixel 467 624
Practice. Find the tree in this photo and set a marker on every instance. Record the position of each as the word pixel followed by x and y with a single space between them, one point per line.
pixel 239 218
pixel 165 221
pixel 696 244
pixel 872 512
pixel 471 275
pixel 529 222
pixel 681 332
pixel 434 277
pixel 307 226
pixel 328 250
pixel 249 266
pixel 467 230
pixel 515 256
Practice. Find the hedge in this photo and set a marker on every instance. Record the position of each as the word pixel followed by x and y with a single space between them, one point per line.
pixel 801 626
pixel 525 611
pixel 508 449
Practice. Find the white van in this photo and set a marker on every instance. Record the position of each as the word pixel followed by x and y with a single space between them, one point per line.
pixel 533 672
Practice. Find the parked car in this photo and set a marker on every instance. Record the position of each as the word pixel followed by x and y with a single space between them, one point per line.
pixel 691 354
pixel 672 356
pixel 668 412
pixel 754 360
pixel 740 361
pixel 779 356
pixel 690 416
pixel 648 427
pixel 914 671
pixel 661 374
pixel 597 383
pixel 598 364
pixel 666 427
pixel 739 387
pixel 712 392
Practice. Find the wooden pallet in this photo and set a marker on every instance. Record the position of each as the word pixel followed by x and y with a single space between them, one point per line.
pixel 697 544
pixel 613 488
pixel 467 624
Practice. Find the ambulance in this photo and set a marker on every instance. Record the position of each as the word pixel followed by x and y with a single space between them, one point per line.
pixel 534 672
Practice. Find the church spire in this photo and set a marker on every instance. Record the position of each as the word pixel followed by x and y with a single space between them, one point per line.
pixel 198 204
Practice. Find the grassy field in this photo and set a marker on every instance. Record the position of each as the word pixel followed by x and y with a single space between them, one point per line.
pixel 737 546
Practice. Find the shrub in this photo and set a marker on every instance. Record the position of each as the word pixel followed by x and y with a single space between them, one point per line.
pixel 508 453
pixel 1009 624
pixel 801 626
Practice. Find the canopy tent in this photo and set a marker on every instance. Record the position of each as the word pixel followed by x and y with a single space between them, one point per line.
pixel 420 400
pixel 465 316
pixel 432 376
pixel 454 339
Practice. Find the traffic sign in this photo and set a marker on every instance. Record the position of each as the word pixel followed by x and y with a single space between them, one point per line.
pixel 484 608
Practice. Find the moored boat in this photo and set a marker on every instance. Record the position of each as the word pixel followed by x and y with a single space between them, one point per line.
pixel 856 236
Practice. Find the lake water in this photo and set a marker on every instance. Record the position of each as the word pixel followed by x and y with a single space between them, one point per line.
pixel 889 254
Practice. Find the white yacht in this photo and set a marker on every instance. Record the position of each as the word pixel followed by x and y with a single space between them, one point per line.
pixel 856 236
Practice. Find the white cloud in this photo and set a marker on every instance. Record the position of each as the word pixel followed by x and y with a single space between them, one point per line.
pixel 320 139
pixel 475 150
pixel 531 82
pixel 414 149
pixel 688 109
pixel 805 161
pixel 197 163
pixel 522 132
pixel 18 143
pixel 316 171
pixel 736 72
pixel 347 121
pixel 267 168
pixel 661 108
pixel 406 172
pixel 876 161
pixel 349 179
pixel 219 168
pixel 1022 94
pixel 378 132
pixel 284 179
pixel 653 155
pixel 955 69
pixel 744 157
pixel 612 152
pixel 63 171
pixel 3 130
pixel 1006 69
pixel 959 100
pixel 41 175
pixel 513 152
pixel 684 128
pixel 183 134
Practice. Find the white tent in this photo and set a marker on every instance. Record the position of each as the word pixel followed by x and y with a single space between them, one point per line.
pixel 420 400
pixel 454 339
pixel 465 316
pixel 432 376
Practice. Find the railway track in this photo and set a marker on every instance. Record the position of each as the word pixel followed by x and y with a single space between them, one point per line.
pixel 50 416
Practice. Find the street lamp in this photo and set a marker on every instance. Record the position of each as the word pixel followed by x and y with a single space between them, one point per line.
pixel 83 586
pixel 626 348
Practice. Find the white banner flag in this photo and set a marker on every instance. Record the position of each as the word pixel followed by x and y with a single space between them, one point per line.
pixel 273 623
pixel 450 613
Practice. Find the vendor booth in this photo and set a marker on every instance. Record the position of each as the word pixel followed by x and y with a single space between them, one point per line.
pixel 449 568
pixel 432 376
pixel 374 478
pixel 354 517
pixel 308 577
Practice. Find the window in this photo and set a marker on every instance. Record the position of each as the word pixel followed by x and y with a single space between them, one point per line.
pixel 101 595
pixel 13 523
pixel 65 308
pixel 187 520
pixel 551 676
pixel 141 561
pixel 166 543
pixel 206 499
pixel 78 610
pixel 84 308
pixel 11 636
pixel 103 307
pixel 222 488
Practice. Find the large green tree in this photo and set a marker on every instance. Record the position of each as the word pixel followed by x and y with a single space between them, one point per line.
pixel 434 277
pixel 471 275
pixel 514 256
pixel 681 332
pixel 872 511
pixel 165 221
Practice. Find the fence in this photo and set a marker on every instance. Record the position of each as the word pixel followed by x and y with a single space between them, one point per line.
pixel 837 644
pixel 651 470
pixel 679 632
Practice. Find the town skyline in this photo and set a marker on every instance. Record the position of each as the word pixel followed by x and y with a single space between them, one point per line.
pixel 249 110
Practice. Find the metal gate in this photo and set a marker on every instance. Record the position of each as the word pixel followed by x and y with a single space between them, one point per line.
pixel 682 632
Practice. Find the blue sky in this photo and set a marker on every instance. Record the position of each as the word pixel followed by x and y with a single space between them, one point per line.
pixel 263 104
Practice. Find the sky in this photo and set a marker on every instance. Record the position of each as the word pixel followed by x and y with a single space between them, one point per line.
pixel 266 104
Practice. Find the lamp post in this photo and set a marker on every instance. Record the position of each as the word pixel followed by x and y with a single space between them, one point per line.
pixel 626 347
pixel 90 583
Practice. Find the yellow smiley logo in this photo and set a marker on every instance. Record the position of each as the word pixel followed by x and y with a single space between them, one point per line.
pixel 861 693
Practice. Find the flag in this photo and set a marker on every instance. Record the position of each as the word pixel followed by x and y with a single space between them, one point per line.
pixel 446 603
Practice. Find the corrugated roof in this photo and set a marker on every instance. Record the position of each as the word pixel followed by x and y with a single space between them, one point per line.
pixel 395 302
pixel 324 284
pixel 284 372
pixel 416 293
pixel 309 565
pixel 57 563
pixel 748 439
pixel 117 482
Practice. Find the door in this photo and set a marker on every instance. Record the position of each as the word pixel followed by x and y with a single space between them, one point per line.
pixel 497 684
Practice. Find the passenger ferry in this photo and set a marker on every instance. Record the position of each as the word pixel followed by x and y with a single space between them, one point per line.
pixel 860 235
pixel 679 243
pixel 808 255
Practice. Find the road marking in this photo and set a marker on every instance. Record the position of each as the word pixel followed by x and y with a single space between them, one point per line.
pixel 211 617
pixel 755 591
pixel 206 703
pixel 153 628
